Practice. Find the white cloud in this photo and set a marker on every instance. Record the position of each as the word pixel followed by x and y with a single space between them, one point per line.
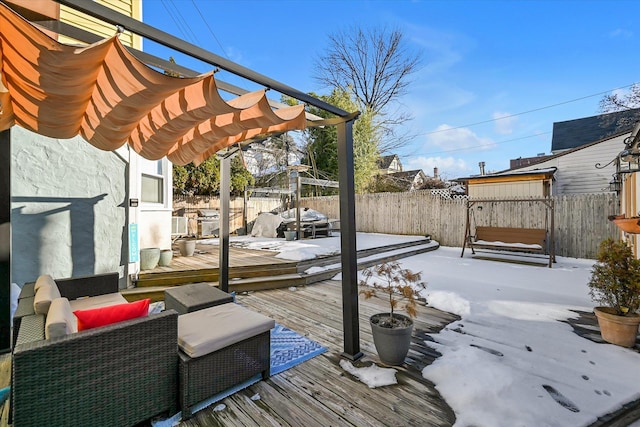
pixel 448 167
pixel 622 33
pixel 504 122
pixel 450 138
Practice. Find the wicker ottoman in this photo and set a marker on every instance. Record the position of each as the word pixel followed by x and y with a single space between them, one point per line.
pixel 189 298
pixel 220 347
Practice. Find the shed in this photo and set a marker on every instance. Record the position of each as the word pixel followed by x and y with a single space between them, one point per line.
pixel 536 183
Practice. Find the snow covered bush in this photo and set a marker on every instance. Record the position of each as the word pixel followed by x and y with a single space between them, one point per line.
pixel 615 278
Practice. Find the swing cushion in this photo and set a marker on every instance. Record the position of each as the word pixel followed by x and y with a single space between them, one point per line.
pixel 523 239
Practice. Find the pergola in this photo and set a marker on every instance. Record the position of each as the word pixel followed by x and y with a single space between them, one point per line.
pixel 109 95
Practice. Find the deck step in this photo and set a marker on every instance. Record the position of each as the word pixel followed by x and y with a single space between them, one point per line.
pixel 180 277
pixel 288 279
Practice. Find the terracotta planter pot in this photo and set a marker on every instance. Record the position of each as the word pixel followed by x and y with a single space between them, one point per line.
pixel 392 344
pixel 628 225
pixel 619 330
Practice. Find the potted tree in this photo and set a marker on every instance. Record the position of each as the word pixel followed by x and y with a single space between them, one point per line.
pixel 392 331
pixel 615 283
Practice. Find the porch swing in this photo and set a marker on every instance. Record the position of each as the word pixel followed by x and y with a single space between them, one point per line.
pixel 495 240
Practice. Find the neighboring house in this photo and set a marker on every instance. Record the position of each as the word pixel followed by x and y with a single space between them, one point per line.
pixel 402 181
pixel 389 164
pixel 522 162
pixel 76 209
pixel 575 133
pixel 391 177
pixel 585 169
pixel 583 150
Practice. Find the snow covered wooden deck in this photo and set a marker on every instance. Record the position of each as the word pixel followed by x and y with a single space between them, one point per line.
pixel 319 392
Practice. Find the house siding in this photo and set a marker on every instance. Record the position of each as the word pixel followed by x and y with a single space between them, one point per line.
pixel 131 8
pixel 629 206
pixel 577 172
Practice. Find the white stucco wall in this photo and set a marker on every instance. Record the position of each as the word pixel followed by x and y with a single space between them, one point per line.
pixel 155 228
pixel 68 208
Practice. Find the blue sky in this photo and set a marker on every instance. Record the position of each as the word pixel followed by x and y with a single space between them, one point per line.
pixel 538 61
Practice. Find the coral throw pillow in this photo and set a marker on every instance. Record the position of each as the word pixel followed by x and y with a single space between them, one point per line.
pixel 102 316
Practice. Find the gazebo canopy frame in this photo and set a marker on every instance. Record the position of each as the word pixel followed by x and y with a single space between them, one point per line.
pixel 343 122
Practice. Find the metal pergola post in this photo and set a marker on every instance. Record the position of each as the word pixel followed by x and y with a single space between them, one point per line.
pixel 223 232
pixel 5 240
pixel 299 234
pixel 348 253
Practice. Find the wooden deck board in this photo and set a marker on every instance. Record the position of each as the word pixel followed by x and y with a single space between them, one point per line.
pixel 319 392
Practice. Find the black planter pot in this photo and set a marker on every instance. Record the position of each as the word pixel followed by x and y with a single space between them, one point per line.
pixel 392 344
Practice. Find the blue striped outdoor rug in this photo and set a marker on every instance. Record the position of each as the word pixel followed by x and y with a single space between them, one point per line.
pixel 288 348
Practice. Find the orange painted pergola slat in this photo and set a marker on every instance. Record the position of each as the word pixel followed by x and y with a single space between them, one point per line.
pixel 108 96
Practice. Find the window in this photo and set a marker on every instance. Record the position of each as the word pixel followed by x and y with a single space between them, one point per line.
pixel 152 189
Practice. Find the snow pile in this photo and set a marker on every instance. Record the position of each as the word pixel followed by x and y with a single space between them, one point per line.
pixel 373 376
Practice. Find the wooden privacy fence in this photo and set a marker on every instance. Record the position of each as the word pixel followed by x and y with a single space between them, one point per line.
pixel 189 205
pixel 580 219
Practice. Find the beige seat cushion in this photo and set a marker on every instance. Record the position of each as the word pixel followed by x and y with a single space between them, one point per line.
pixel 97 301
pixel 205 331
pixel 47 292
pixel 60 319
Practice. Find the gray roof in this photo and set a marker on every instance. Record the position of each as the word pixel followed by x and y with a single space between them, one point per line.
pixel 575 133
pixel 402 179
pixel 549 171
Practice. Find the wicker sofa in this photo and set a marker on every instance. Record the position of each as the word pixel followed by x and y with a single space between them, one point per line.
pixel 116 375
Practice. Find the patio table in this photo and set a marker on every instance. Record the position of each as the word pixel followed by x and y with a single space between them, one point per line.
pixel 189 298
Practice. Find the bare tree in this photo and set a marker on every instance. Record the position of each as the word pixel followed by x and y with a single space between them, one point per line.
pixel 615 102
pixel 375 66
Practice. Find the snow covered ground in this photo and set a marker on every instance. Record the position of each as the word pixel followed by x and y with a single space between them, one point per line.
pixel 511 360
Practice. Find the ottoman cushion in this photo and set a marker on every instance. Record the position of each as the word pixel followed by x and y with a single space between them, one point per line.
pixel 205 331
